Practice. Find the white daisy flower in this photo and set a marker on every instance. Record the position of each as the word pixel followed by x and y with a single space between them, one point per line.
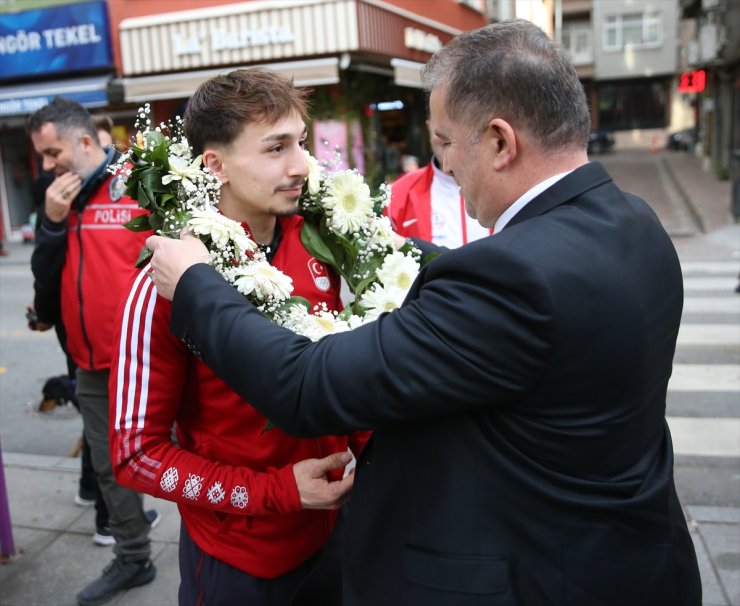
pixel 221 229
pixel 181 148
pixel 380 299
pixel 348 202
pixel 313 180
pixel 263 280
pixel 398 271
pixel 381 233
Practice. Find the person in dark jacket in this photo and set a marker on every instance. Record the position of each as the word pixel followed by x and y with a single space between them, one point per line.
pixel 520 453
pixel 83 260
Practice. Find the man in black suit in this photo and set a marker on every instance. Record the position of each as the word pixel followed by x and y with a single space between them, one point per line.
pixel 521 454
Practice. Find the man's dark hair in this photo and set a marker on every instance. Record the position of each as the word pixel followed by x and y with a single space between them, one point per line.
pixel 66 115
pixel 222 105
pixel 103 122
pixel 514 71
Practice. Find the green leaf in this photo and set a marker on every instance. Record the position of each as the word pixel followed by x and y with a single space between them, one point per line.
pixel 428 258
pixel 154 139
pixel 143 197
pixel 363 285
pixel 156 222
pixel 315 245
pixel 152 180
pixel 346 312
pixel 138 223
pixel 144 255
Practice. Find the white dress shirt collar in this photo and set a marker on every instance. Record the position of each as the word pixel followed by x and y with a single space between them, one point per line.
pixel 525 199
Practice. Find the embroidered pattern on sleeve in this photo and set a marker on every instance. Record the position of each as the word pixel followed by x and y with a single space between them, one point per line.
pixel 239 497
pixel 192 487
pixel 169 480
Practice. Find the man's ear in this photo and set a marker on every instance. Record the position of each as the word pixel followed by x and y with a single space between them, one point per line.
pixel 502 139
pixel 86 141
pixel 213 160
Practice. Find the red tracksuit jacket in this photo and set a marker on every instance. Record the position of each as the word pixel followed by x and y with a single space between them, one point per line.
pixel 232 480
pixel 99 256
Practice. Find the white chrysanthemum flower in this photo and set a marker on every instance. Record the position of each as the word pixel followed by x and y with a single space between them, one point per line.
pixel 221 229
pixel 264 281
pixel 398 271
pixel 382 232
pixel 314 174
pixel 181 171
pixel 348 202
pixel 243 243
pixel 323 323
pixel 181 148
pixel 380 299
pixel 354 321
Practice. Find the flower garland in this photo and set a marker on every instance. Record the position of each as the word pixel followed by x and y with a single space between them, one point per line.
pixel 343 227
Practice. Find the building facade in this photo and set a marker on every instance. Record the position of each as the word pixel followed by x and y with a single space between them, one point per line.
pixel 709 52
pixel 361 58
pixel 52 49
pixel 625 54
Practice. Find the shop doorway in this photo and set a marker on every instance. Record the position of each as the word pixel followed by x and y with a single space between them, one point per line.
pixel 16 184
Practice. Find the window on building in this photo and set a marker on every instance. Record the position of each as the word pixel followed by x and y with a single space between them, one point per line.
pixel 633 30
pixel 577 40
pixel 633 104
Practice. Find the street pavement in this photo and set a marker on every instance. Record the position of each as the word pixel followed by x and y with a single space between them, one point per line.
pixel 54 556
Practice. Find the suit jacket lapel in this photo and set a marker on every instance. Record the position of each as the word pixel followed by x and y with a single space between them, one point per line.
pixel 581 180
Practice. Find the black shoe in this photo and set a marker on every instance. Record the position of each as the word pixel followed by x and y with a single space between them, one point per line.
pixel 117 576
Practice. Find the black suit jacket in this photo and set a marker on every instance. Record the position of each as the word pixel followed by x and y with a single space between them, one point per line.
pixel 521 453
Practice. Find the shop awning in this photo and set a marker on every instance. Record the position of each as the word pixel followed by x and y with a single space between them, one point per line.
pixel 407 73
pixel 315 72
pixel 27 98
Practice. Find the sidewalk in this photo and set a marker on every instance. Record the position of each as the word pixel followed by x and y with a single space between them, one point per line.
pixel 54 553
pixel 55 556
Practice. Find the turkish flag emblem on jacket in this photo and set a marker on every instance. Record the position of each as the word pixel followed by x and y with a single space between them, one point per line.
pixel 319 274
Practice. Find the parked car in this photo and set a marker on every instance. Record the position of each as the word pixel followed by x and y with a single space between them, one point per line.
pixel 682 140
pixel 600 141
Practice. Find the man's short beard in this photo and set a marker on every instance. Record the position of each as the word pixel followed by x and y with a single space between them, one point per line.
pixel 286 213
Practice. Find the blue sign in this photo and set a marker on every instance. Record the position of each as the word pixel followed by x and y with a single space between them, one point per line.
pixel 62 39
pixel 29 103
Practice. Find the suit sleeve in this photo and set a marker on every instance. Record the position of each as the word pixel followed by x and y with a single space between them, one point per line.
pixel 148 378
pixel 422 361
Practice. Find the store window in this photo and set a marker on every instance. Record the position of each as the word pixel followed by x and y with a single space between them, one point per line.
pixel 17 178
pixel 631 105
pixel 633 30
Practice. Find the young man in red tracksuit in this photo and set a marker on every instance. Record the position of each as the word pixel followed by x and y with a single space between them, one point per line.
pixel 255 526
pixel 426 204
pixel 84 259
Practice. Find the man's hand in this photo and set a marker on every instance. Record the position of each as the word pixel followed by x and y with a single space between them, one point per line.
pixel 33 320
pixel 59 196
pixel 316 491
pixel 172 258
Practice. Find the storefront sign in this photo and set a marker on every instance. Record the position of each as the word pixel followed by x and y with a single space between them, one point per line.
pixel 420 40
pixel 229 40
pixel 692 82
pixel 27 98
pixel 54 40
